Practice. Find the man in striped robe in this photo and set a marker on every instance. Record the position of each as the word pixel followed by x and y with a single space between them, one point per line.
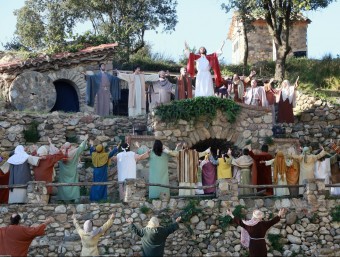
pixel 187 168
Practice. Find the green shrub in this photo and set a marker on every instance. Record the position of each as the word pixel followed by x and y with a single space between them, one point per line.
pixel 275 242
pixel 335 213
pixel 145 209
pixel 193 109
pixel 32 134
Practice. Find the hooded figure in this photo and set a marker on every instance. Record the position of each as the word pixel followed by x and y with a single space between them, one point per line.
pixel 45 170
pixel 154 236
pixel 100 161
pixel 90 237
pixel 20 173
pixel 307 164
pixel 253 231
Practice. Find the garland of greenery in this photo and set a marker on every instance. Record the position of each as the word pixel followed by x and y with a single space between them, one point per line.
pixel 193 109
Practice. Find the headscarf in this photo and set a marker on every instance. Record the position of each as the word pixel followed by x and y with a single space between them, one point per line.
pixel 153 223
pixel 88 229
pixel 42 151
pixel 19 156
pixel 100 157
pixel 305 152
pixel 70 151
pixel 279 167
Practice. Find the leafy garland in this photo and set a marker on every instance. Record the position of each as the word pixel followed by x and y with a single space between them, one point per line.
pixel 193 109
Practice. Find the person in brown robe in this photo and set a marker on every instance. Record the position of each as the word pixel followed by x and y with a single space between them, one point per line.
pixel 16 239
pixel 255 231
pixel 4 178
pixel 286 102
pixel 264 173
pixel 44 170
pixel 184 85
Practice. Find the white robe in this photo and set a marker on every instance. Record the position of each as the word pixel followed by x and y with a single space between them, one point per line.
pixel 126 165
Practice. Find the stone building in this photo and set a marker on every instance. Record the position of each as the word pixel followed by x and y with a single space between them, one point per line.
pixel 52 83
pixel 260 44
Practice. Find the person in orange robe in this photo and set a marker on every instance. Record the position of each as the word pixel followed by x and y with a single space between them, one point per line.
pixel 16 239
pixel 44 170
pixel 4 178
pixel 264 173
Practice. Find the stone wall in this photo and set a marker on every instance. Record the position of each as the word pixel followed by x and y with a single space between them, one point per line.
pixel 260 43
pixel 306 230
pixel 316 121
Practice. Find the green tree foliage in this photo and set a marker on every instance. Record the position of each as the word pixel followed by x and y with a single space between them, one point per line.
pixel 122 21
pixel 279 16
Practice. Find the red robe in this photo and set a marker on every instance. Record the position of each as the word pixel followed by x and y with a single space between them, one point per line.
pixel 4 178
pixel 44 171
pixel 264 173
pixel 213 61
pixel 15 239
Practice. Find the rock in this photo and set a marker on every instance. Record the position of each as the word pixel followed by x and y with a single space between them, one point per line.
pixel 194 219
pixel 294 240
pixel 291 218
pixel 201 226
pixel 60 209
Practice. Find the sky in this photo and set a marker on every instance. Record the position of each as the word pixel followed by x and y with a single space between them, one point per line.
pixel 204 23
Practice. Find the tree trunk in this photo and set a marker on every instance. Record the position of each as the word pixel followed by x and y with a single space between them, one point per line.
pixel 280 63
pixel 246 50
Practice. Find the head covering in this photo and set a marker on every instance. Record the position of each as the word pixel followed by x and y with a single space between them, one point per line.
pixel 19 156
pixel 257 214
pixel 88 228
pixel 42 150
pixel 153 223
pixel 100 157
pixel 69 150
pixel 305 152
pixel 279 167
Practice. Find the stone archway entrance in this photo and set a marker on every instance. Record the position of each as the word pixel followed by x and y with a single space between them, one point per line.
pixel 67 97
pixel 214 144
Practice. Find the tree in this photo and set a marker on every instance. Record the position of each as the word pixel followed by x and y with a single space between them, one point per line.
pixel 243 10
pixel 279 16
pixel 122 21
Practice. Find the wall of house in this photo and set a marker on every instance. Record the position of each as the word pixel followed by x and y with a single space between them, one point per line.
pixel 260 43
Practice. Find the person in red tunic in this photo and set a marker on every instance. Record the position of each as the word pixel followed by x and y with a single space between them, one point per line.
pixel 45 169
pixel 4 178
pixel 264 173
pixel 253 231
pixel 286 102
pixel 16 239
pixel 184 85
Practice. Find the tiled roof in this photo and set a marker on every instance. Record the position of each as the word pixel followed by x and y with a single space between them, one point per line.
pixel 34 62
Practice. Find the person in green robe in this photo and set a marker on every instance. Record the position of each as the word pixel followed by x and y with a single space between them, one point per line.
pixel 153 236
pixel 68 172
pixel 158 168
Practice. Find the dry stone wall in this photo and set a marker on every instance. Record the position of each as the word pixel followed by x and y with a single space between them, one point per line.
pixel 306 230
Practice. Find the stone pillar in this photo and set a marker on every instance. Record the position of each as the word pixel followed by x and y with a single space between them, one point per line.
pixel 132 193
pixel 37 192
pixel 227 189
pixel 315 193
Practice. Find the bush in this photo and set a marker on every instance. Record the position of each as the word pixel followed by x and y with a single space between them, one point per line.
pixel 32 134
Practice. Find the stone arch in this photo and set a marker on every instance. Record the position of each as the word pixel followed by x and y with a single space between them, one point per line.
pixel 66 89
pixel 252 124
pixel 75 78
